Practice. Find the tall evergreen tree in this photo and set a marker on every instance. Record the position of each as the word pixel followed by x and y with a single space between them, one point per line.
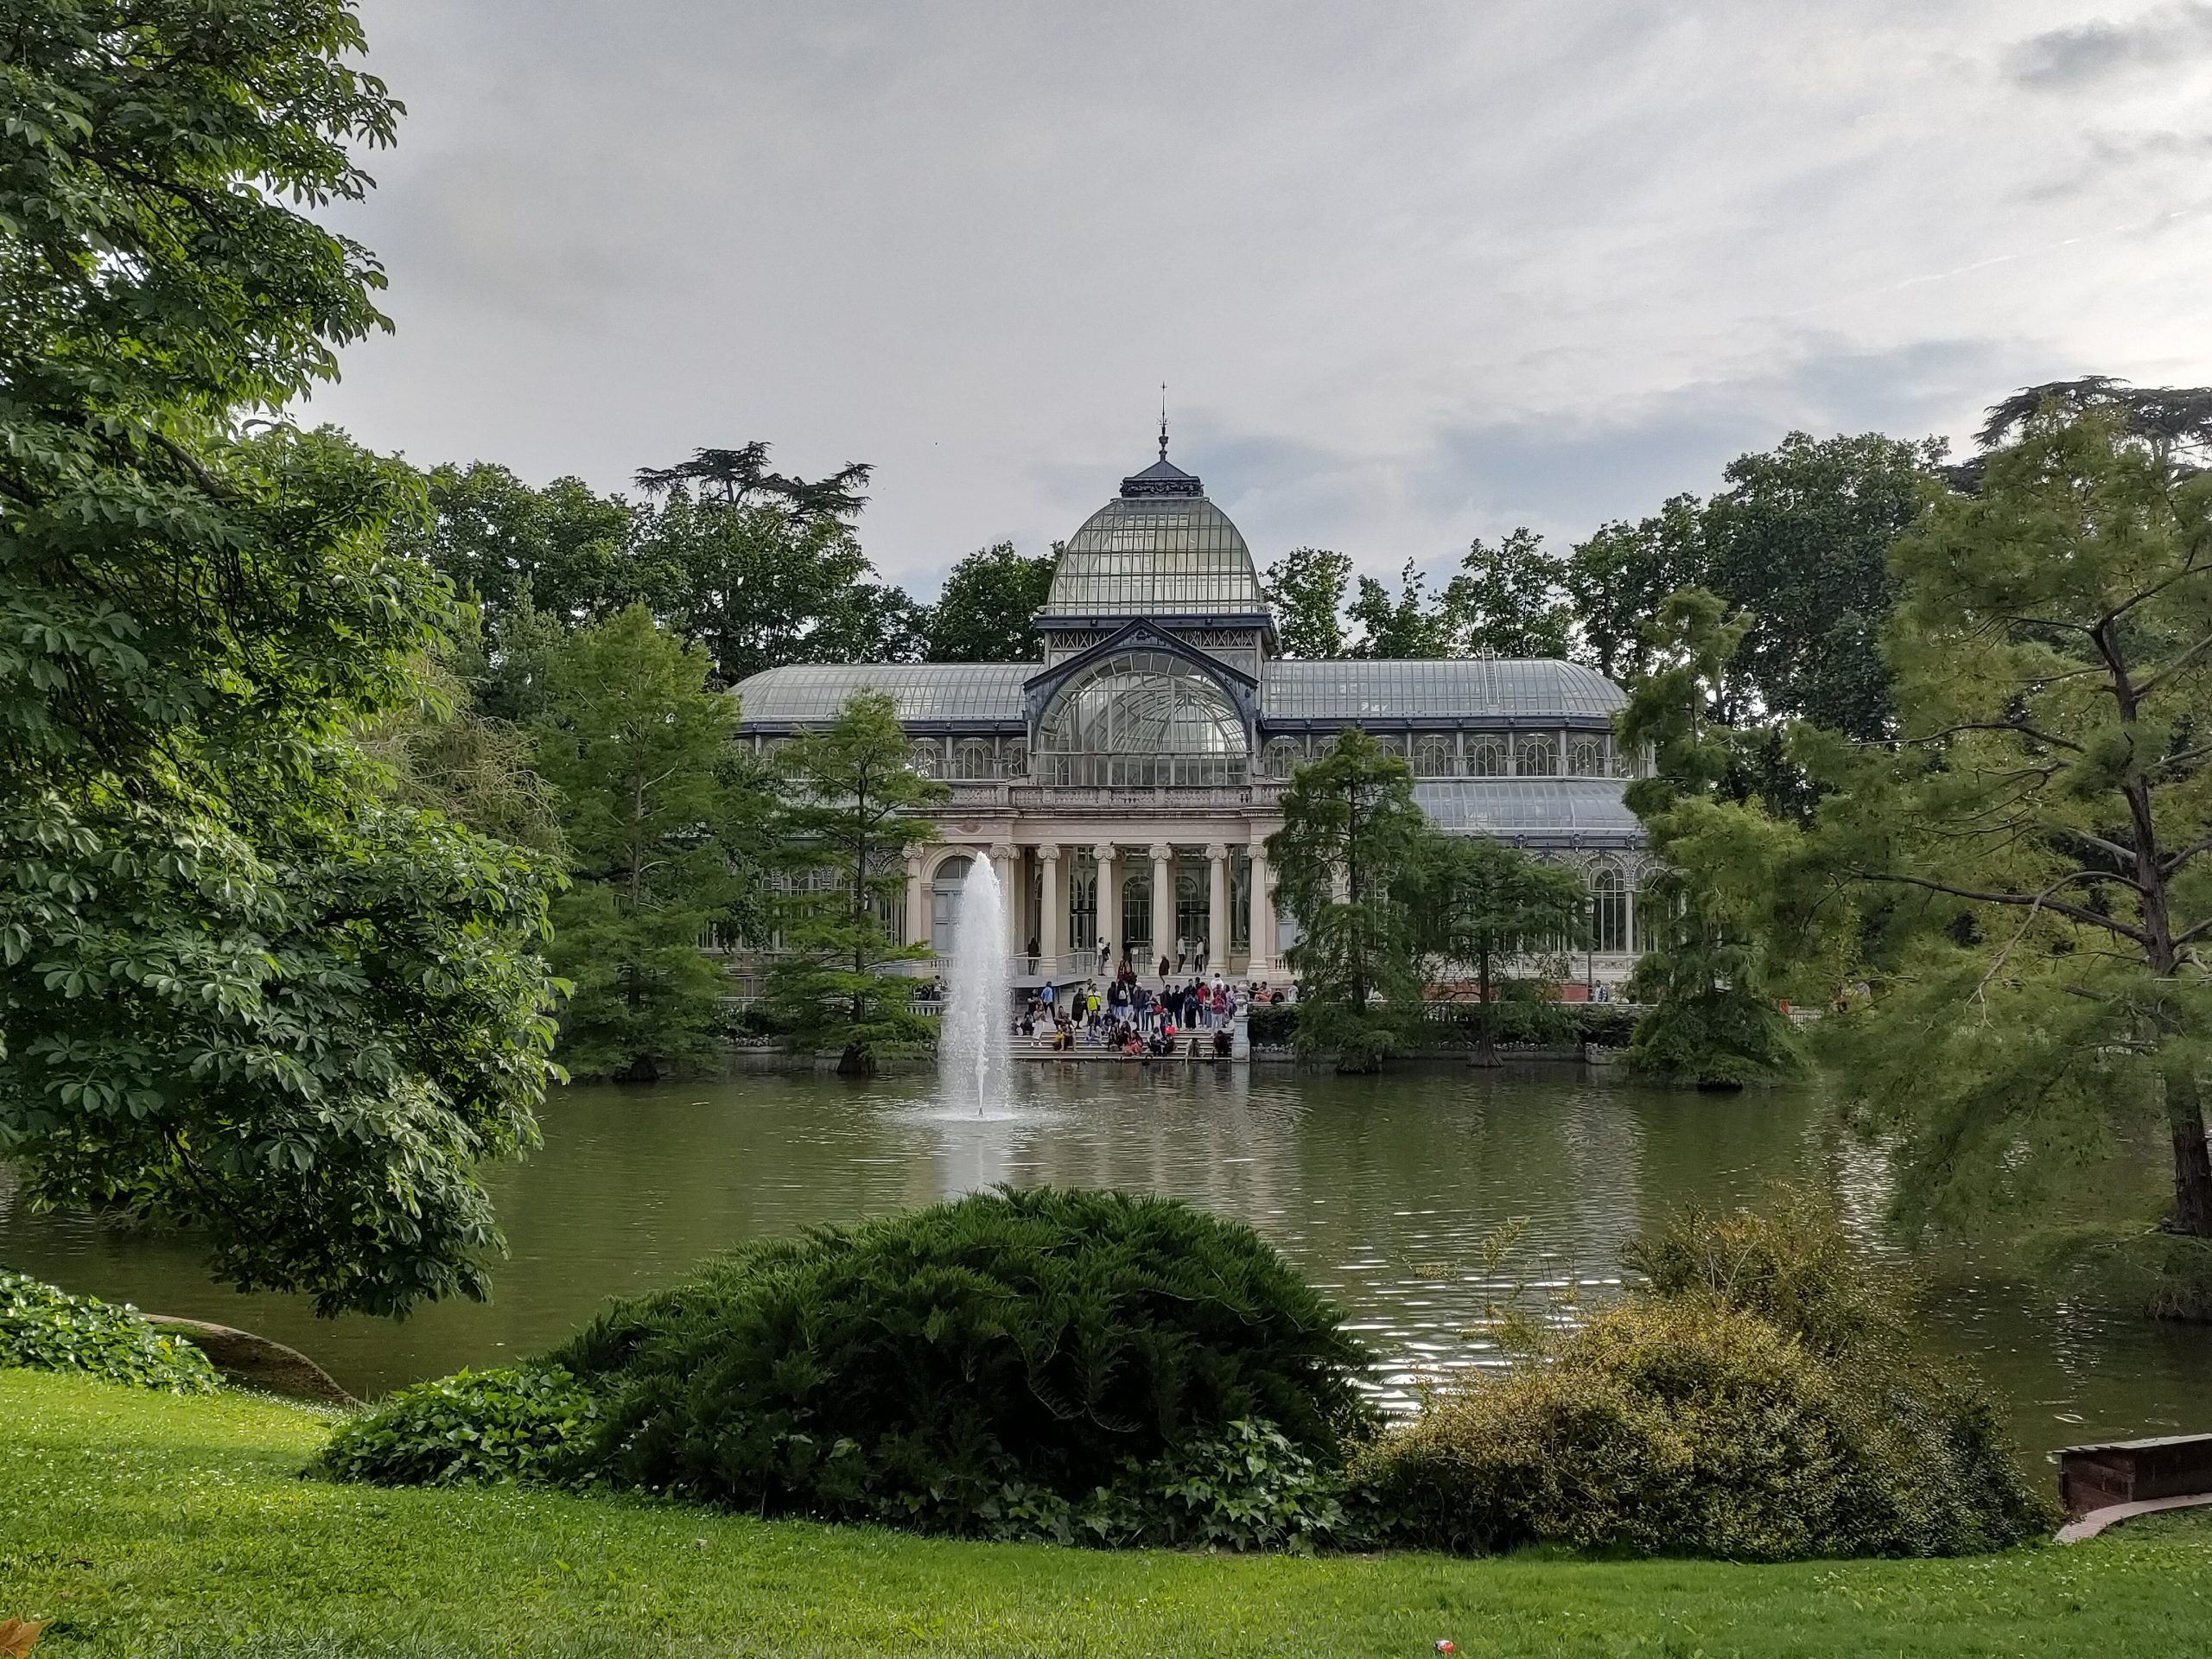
pixel 1350 835
pixel 241 989
pixel 654 809
pixel 2031 863
pixel 1710 977
pixel 854 807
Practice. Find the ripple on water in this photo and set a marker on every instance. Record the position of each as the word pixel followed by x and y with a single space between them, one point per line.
pixel 1385 1193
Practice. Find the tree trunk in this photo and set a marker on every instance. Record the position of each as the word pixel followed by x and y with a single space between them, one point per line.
pixel 2192 1160
pixel 1485 1044
pixel 856 1062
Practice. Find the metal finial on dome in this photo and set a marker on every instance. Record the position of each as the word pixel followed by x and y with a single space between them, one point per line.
pixel 1163 420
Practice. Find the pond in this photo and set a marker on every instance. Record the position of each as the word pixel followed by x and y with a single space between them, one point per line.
pixel 1383 1190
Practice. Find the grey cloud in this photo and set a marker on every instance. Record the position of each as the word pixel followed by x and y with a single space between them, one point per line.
pixel 2062 59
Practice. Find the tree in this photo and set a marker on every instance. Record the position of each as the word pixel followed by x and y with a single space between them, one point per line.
pixel 1349 834
pixel 854 807
pixel 2029 862
pixel 1800 541
pixel 1617 580
pixel 986 612
pixel 561 550
pixel 1306 589
pixel 654 809
pixel 740 477
pixel 240 989
pixel 1509 599
pixel 1710 978
pixel 760 586
pixel 1413 623
pixel 1479 903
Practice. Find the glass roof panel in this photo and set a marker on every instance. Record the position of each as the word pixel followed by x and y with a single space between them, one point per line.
pixel 1467 688
pixel 1153 555
pixel 981 694
pixel 1541 809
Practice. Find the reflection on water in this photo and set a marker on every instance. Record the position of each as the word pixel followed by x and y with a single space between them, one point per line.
pixel 1382 1190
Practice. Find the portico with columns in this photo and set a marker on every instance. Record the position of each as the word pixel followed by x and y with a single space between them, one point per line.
pixel 1124 786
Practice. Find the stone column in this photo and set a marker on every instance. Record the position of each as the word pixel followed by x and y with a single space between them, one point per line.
pixel 1262 929
pixel 917 902
pixel 1163 904
pixel 1006 864
pixel 1107 897
pixel 1217 908
pixel 1052 926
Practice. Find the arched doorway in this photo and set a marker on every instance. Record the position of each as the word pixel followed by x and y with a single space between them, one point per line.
pixel 944 902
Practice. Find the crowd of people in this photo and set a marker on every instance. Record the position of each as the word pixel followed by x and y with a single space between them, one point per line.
pixel 1128 1016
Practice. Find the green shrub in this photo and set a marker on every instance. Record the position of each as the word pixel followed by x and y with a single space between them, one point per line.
pixel 1272 1025
pixel 1792 1265
pixel 1686 1426
pixel 1015 1348
pixel 1757 1399
pixel 1243 1488
pixel 470 1427
pixel 45 1329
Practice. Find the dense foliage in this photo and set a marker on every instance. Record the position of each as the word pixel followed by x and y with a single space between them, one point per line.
pixel 931 1368
pixel 1352 835
pixel 661 818
pixel 2025 881
pixel 1710 979
pixel 240 988
pixel 854 806
pixel 1482 906
pixel 49 1330
pixel 985 612
pixel 1754 1402
pixel 527 1424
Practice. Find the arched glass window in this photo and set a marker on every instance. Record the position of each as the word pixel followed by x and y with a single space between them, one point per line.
pixel 1486 757
pixel 1017 759
pixel 1608 911
pixel 1391 744
pixel 1139 719
pixel 1586 758
pixel 971 759
pixel 925 757
pixel 1281 757
pixel 1432 756
pixel 1534 757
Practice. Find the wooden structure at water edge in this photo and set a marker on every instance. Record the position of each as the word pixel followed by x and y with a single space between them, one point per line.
pixel 2100 1485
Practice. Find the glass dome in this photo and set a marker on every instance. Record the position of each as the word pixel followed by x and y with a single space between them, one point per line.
pixel 1140 719
pixel 1155 555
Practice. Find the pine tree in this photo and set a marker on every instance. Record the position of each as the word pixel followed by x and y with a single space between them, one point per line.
pixel 654 804
pixel 854 807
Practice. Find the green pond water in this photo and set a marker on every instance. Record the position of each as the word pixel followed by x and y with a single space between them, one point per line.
pixel 1382 1190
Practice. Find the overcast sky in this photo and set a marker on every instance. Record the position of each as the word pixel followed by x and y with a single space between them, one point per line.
pixel 1412 272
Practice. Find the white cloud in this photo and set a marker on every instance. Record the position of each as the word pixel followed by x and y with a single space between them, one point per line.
pixel 1413 272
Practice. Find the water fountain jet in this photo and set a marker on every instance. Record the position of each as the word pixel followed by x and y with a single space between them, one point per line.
pixel 974 1044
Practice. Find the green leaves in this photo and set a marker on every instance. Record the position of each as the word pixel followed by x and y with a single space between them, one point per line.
pixel 49 1330
pixel 1351 833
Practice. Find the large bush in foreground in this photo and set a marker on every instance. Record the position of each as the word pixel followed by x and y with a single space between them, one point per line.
pixel 1022 1347
pixel 49 1330
pixel 1758 1402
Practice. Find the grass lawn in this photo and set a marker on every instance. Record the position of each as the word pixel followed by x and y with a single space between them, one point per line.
pixel 149 1525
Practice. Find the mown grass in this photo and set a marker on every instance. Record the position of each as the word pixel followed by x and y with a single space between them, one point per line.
pixel 145 1524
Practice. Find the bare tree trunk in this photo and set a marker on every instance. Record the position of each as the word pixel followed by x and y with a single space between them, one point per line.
pixel 1485 1043
pixel 2192 1159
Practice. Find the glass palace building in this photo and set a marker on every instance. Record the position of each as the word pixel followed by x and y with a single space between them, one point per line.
pixel 1126 785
